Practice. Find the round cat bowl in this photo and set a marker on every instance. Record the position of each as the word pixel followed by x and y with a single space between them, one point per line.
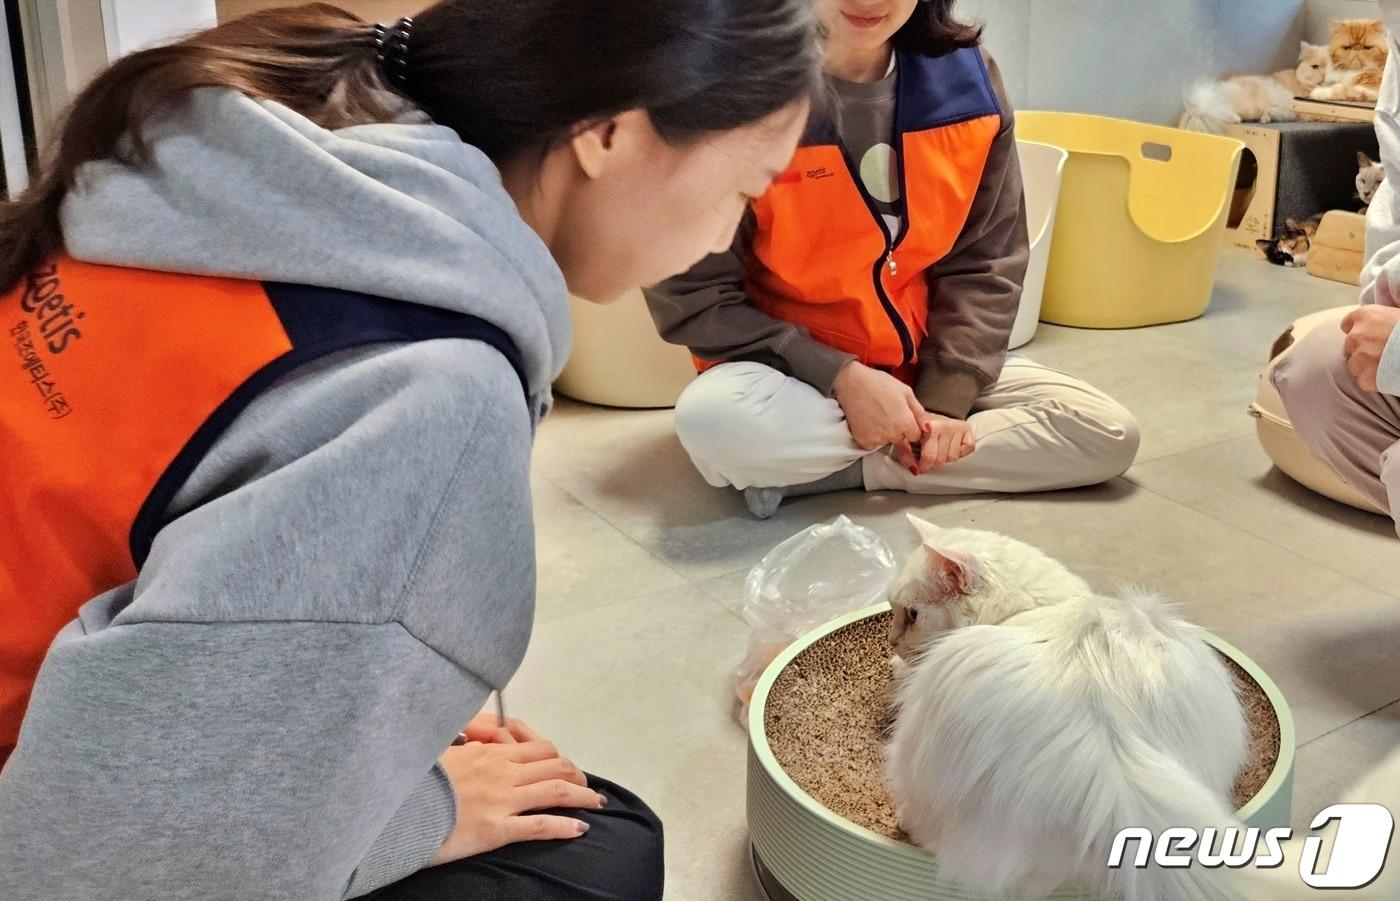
pixel 804 852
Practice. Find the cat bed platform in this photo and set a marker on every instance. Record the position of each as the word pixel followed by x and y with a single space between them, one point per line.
pixel 803 850
pixel 1275 430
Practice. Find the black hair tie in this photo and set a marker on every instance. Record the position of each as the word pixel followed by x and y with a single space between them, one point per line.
pixel 391 49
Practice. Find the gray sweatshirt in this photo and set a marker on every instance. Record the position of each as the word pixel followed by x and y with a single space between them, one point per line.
pixel 350 570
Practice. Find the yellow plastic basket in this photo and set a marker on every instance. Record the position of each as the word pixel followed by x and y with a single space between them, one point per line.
pixel 1141 219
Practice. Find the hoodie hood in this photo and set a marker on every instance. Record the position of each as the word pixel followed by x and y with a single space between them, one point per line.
pixel 404 210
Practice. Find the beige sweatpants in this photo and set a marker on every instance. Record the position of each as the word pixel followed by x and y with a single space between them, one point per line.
pixel 749 425
pixel 1356 433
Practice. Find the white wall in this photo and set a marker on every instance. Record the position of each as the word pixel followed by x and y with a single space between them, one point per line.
pixel 1319 11
pixel 136 24
pixel 1133 58
pixel 69 41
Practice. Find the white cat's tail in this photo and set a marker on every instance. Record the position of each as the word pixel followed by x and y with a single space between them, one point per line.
pixel 1156 793
pixel 1210 106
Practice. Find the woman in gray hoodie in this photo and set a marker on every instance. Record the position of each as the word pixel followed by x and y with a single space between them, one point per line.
pixel 285 303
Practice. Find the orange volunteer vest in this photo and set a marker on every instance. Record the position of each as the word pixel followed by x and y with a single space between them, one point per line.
pixel 114 383
pixel 821 257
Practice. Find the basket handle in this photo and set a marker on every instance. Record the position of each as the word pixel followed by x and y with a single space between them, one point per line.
pixel 1151 150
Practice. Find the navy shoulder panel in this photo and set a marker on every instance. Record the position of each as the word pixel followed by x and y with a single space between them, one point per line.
pixel 943 90
pixel 318 322
pixel 321 320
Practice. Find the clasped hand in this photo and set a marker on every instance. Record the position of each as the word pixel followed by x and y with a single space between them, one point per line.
pixel 881 410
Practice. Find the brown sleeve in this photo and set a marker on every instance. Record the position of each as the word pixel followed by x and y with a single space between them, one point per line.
pixel 708 311
pixel 975 290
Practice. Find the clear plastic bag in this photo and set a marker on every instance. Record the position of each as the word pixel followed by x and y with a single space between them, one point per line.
pixel 815 576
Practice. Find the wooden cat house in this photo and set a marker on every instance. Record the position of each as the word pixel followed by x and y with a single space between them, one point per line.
pixel 1293 170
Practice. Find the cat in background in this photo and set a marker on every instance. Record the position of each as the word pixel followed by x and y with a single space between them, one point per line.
pixel 1294 241
pixel 1291 246
pixel 1212 105
pixel 1035 719
pixel 1370 174
pixel 1358 51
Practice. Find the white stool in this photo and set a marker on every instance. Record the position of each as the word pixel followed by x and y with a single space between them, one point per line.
pixel 1042 169
pixel 619 360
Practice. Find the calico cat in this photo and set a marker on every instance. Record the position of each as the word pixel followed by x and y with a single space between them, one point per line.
pixel 1035 719
pixel 1369 176
pixel 1358 50
pixel 1294 241
pixel 1210 106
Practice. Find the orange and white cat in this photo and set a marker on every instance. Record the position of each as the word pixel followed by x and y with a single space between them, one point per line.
pixel 1358 51
pixel 1212 105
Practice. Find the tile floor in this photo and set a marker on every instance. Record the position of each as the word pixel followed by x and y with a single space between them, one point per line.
pixel 642 566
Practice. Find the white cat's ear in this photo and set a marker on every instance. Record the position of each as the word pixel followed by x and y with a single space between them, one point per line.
pixel 928 532
pixel 1364 161
pixel 960 573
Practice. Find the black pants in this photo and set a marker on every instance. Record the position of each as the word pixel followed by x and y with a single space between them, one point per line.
pixel 619 859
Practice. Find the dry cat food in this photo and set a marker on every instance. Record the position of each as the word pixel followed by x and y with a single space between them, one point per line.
pixel 828 716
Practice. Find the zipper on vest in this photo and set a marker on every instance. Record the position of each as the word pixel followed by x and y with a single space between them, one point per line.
pixel 906 340
pixel 910 353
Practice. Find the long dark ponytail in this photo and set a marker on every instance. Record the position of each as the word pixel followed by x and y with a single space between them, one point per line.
pixel 510 78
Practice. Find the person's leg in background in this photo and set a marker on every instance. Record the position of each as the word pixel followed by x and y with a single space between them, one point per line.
pixel 1037 429
pixel 750 426
pixel 619 859
pixel 1354 432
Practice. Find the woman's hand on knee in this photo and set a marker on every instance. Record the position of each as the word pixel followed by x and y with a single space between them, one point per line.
pixel 500 786
pixel 879 408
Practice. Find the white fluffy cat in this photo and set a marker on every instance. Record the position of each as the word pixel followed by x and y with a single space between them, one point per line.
pixel 1035 719
pixel 1211 105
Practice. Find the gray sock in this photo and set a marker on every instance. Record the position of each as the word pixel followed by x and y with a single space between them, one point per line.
pixel 763 502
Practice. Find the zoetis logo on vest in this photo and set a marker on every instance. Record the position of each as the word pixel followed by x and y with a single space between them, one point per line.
pixel 56 319
pixel 50 324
